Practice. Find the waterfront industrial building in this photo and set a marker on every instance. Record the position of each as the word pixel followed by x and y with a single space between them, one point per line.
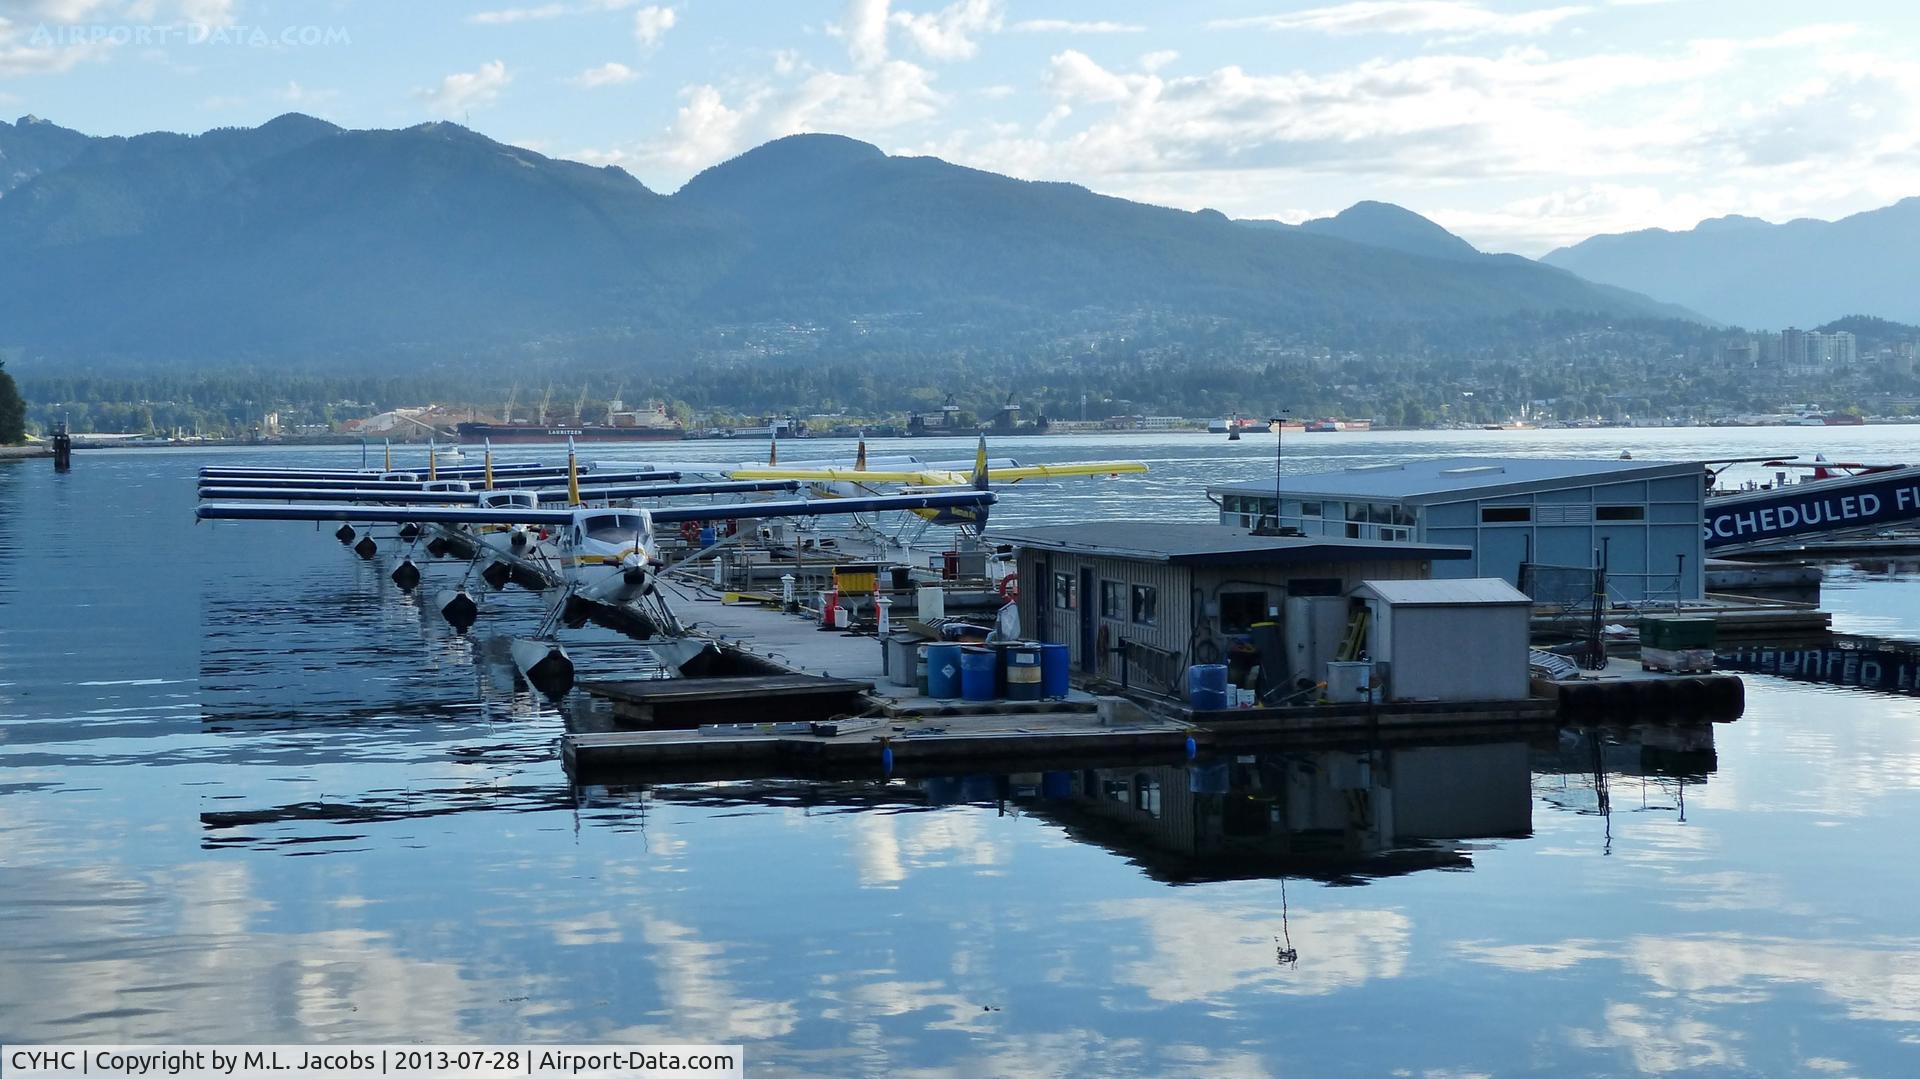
pixel 1644 518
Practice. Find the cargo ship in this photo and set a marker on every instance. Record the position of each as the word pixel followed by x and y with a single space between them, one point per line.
pixel 651 424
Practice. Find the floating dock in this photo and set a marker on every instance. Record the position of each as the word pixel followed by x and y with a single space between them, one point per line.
pixel 1623 687
pixel 818 702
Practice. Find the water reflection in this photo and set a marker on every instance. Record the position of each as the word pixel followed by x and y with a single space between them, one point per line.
pixel 1885 666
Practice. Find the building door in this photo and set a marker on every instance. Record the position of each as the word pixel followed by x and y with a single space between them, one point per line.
pixel 1042 599
pixel 1088 661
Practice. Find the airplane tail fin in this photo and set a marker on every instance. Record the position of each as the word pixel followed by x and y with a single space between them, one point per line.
pixel 980 466
pixel 487 477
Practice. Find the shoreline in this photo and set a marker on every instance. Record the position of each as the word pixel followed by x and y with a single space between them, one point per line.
pixel 24 453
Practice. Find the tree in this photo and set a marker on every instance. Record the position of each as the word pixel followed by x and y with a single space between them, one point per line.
pixel 13 410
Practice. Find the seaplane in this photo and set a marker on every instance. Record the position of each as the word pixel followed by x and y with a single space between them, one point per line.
pixel 600 555
pixel 510 551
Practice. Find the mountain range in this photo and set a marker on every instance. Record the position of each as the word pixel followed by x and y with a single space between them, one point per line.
pixel 299 238
pixel 1765 276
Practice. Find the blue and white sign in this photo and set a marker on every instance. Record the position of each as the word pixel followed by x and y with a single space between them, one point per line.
pixel 1827 506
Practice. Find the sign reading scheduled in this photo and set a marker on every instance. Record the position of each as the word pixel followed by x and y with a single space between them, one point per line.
pixel 1813 507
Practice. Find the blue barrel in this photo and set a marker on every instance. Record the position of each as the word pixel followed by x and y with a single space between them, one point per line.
pixel 1023 671
pixel 708 537
pixel 1207 686
pixel 1055 665
pixel 976 674
pixel 943 671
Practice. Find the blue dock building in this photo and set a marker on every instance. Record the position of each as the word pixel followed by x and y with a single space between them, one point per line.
pixel 1645 518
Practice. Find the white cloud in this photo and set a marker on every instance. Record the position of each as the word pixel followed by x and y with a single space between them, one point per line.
pixel 611 73
pixel 509 16
pixel 1656 135
pixel 1456 18
pixel 1158 59
pixel 541 12
pixel 23 52
pixel 1073 26
pixel 207 12
pixel 464 90
pixel 864 29
pixel 1074 76
pixel 893 94
pixel 651 23
pixel 948 34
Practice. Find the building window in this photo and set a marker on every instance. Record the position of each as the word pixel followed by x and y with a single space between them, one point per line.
pixel 1353 530
pixel 1505 515
pixel 1240 610
pixel 1063 592
pixel 1309 509
pixel 1146 605
pixel 1619 513
pixel 1146 794
pixel 1397 535
pixel 1111 605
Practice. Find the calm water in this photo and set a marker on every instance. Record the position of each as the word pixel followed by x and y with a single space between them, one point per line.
pixel 249 792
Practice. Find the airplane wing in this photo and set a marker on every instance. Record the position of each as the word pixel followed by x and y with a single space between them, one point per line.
pixel 836 475
pixel 452 515
pixel 468 498
pixel 401 489
pixel 1061 471
pixel 360 495
pixel 448 472
pixel 820 507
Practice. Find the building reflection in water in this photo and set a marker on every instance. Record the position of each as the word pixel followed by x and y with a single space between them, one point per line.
pixel 1338 814
pixel 1341 813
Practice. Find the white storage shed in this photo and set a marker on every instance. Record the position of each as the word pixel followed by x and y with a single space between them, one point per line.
pixel 1458 640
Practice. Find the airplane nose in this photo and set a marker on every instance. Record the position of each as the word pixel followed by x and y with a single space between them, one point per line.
pixel 635 575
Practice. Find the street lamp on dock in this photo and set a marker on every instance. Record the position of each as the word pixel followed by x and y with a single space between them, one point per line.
pixel 1278 422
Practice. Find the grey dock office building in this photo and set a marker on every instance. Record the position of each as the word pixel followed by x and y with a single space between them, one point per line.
pixel 1648 516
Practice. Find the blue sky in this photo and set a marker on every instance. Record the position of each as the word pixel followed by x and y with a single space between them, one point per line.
pixel 1519 125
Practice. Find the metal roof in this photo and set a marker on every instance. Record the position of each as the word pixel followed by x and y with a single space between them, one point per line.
pixel 1465 592
pixel 1453 479
pixel 1212 544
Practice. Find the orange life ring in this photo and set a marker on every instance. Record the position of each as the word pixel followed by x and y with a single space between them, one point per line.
pixel 1009 588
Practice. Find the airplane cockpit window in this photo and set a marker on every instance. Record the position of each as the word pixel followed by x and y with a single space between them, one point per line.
pixel 508 500
pixel 615 527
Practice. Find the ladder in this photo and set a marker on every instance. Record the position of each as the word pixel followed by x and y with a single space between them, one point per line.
pixel 1355 641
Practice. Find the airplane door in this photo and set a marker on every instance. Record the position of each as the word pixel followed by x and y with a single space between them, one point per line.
pixel 1088 661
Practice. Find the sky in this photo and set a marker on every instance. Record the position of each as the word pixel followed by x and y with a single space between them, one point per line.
pixel 1520 126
